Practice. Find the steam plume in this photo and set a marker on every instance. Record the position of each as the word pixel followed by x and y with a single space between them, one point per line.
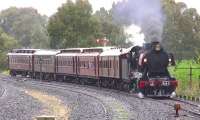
pixel 147 14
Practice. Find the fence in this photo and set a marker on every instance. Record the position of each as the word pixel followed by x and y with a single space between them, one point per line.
pixel 189 79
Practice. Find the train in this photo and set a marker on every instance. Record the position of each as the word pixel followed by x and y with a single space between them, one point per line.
pixel 136 69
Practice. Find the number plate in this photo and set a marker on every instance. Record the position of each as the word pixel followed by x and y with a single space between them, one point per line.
pixel 165 83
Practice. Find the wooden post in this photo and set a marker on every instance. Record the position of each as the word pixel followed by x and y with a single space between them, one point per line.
pixel 199 81
pixel 190 74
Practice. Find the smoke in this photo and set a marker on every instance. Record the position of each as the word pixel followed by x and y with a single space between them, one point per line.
pixel 147 14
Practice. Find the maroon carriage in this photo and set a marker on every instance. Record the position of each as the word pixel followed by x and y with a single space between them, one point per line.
pixel 44 64
pixel 114 69
pixel 66 64
pixel 88 65
pixel 20 61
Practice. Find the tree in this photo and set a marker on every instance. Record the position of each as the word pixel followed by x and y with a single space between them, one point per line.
pixel 73 26
pixel 109 28
pixel 181 31
pixel 26 26
pixel 6 43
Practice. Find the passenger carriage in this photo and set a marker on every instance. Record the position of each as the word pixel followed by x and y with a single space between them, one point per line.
pixel 114 69
pixel 44 64
pixel 88 65
pixel 20 62
pixel 66 64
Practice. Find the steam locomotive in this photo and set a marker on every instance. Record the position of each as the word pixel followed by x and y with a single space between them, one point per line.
pixel 155 79
pixel 139 69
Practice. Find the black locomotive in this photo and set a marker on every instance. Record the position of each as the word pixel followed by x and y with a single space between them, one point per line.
pixel 155 79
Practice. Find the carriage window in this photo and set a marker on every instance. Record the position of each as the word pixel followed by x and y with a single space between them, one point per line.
pixel 100 64
pixel 68 63
pixel 58 62
pixel 84 64
pixel 116 65
pixel 88 65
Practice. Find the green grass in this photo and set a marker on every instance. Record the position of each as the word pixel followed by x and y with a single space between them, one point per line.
pixel 183 77
pixel 5 72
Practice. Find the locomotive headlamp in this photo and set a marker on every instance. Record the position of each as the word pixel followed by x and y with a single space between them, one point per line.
pixel 145 60
pixel 170 60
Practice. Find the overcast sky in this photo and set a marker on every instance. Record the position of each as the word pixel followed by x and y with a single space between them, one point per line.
pixel 192 4
pixel 49 7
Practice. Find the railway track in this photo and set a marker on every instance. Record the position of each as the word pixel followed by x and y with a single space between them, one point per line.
pixel 119 113
pixel 2 90
pixel 113 109
pixel 60 87
pixel 186 106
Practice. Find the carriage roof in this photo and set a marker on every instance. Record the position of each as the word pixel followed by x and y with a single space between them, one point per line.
pixel 47 52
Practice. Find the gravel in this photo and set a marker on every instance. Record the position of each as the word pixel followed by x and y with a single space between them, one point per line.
pixel 82 107
pixel 90 103
pixel 16 105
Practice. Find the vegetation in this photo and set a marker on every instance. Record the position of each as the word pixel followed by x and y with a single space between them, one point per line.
pixel 182 73
pixel 182 30
pixel 75 25
pixel 110 29
pixel 6 43
pixel 26 25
